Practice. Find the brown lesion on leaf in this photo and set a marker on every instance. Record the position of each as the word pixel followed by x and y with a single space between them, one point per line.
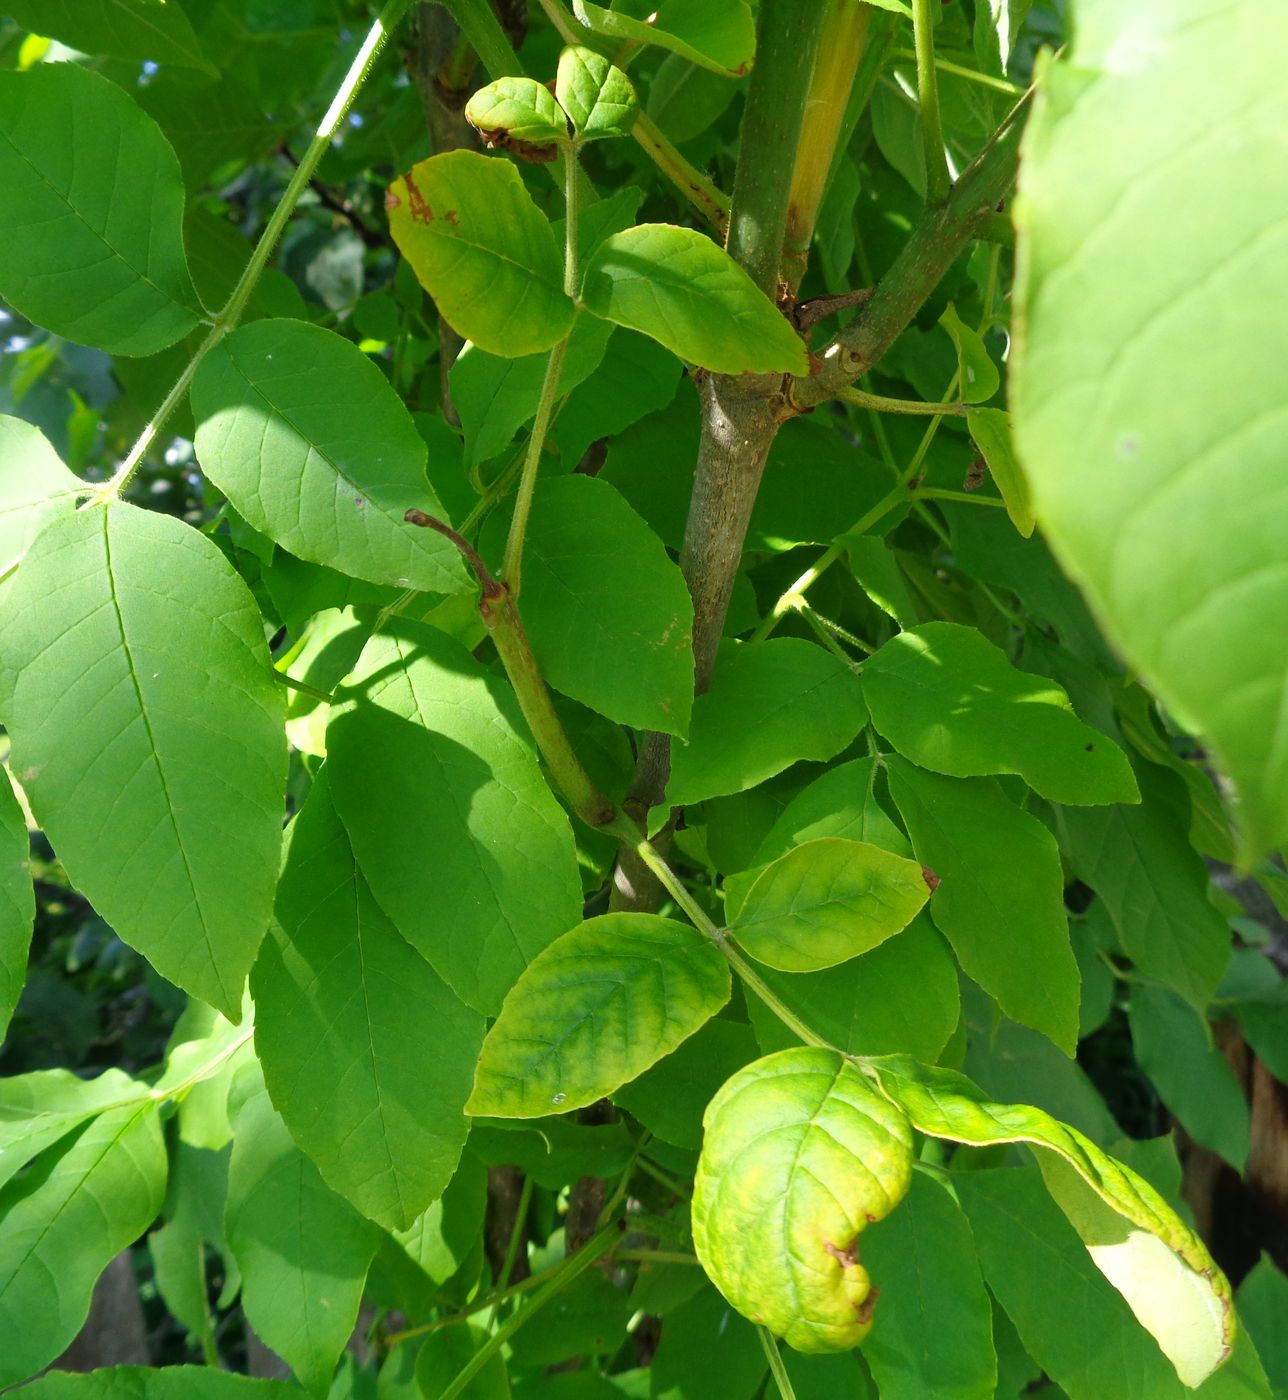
pixel 420 210
pixel 451 218
pixel 864 1310
pixel 931 879
pixel 534 152
pixel 847 1256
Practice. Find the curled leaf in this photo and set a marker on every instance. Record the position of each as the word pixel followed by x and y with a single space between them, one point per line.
pixel 1159 1265
pixel 518 110
pixel 800 1154
pixel 599 99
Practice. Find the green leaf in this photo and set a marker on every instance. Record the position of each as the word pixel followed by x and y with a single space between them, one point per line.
pixel 718 34
pixel 599 99
pixel 991 430
pixel 483 250
pixel 166 1383
pixel 1146 396
pixel 586 1319
pixel 445 1353
pixel 17 901
pixel 140 672
pixel 949 700
pixel 303 1251
pixel 685 291
pixel 357 1033
pixel 933 1331
pixel 35 489
pixel 769 704
pixel 519 109
pixel 1173 1045
pixel 978 377
pixel 302 433
pixel 1043 1277
pixel 824 902
pixel 129 29
pixel 90 248
pixel 597 1008
pixel 608 614
pixel 1164 921
pixel 670 1098
pixel 63 1222
pixel 1000 900
pixel 37 1109
pixel 479 872
pixel 1263 1304
pixel 800 1155
pixel 707 1349
pixel 1135 1238
pixel 900 997
pixel 495 396
pixel 842 802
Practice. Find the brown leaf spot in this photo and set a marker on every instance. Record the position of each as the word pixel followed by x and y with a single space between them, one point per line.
pixel 931 879
pixel 866 1308
pixel 392 201
pixel 847 1257
pixel 420 210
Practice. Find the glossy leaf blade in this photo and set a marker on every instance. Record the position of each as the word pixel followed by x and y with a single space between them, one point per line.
pixel 598 1007
pixel 685 291
pixel 990 428
pixel 483 250
pixel 91 242
pixel 800 1155
pixel 64 1221
pixel 302 1250
pixel 1000 900
pixel 1136 1239
pixel 17 901
pixel 37 1109
pixel 949 700
pixel 303 434
pixel 1162 496
pixel 129 29
pixel 933 1331
pixel 479 872
pixel 147 733
pixel 718 34
pixel 368 1054
pixel 519 109
pixel 825 902
pixel 34 490
pixel 607 611
pixel 599 98
pixel 769 705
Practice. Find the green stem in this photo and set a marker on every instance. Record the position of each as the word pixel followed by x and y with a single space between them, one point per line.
pixel 671 882
pixel 479 24
pixel 777 1369
pixel 571 1268
pixel 672 1184
pixel 655 1256
pixel 531 461
pixel 862 399
pixel 970 74
pixel 824 636
pixel 935 493
pixel 489 1300
pixel 787 35
pixel 701 192
pixel 571 203
pixel 516 1233
pixel 228 318
pixel 938 181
